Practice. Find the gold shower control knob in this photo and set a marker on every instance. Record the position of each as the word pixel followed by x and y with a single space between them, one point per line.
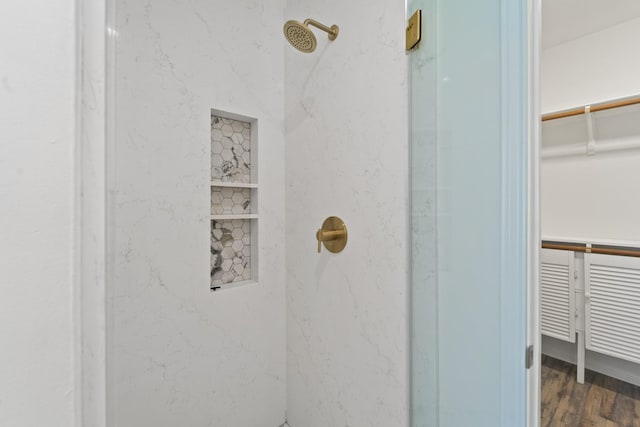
pixel 333 234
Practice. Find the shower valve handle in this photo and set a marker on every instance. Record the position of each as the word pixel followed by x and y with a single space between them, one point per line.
pixel 333 234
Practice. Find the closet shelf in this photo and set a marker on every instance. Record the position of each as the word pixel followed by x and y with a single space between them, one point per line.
pixel 233 184
pixel 620 102
pixel 234 216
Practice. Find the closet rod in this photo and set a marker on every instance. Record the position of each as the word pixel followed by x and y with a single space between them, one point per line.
pixel 595 107
pixel 594 250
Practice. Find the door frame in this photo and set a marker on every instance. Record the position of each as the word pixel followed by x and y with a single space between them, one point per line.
pixel 521 35
pixel 534 18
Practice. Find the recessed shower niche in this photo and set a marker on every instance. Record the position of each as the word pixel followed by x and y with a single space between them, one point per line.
pixel 234 200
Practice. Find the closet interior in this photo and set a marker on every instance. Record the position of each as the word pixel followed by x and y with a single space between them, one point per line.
pixel 590 213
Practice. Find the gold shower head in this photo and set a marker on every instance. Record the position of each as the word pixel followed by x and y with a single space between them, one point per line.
pixel 302 38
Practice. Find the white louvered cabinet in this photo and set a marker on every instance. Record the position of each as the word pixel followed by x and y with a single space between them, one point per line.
pixel 557 294
pixel 612 296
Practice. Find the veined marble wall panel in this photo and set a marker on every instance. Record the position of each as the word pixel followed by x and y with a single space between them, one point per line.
pixel 347 143
pixel 181 355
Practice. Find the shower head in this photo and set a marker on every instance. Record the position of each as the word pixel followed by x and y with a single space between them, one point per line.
pixel 302 38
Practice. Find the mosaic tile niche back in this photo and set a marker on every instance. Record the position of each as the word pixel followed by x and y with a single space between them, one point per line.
pixel 232 212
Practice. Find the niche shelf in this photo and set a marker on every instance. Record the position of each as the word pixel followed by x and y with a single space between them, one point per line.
pixel 234 200
pixel 232 184
pixel 232 216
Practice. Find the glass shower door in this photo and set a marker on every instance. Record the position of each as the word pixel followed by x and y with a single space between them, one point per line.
pixel 469 194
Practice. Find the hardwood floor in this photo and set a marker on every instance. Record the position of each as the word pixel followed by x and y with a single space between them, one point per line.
pixel 600 402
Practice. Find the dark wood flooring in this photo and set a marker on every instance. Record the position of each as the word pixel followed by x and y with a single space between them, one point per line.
pixel 600 402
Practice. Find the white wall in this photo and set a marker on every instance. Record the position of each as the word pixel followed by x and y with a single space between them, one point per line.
pixel 592 196
pixel 37 71
pixel 181 355
pixel 598 67
pixel 346 118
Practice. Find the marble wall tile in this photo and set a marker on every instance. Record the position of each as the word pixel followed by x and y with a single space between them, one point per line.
pixel 230 150
pixel 180 354
pixel 227 200
pixel 230 252
pixel 347 155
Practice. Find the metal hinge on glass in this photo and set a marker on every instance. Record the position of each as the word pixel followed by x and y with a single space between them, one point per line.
pixel 529 357
pixel 414 30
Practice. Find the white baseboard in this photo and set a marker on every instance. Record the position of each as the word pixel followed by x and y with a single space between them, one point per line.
pixel 607 365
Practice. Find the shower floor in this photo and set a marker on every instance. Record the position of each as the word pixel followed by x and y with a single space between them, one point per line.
pixel 600 401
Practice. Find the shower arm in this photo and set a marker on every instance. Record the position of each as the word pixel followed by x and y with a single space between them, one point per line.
pixel 332 31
